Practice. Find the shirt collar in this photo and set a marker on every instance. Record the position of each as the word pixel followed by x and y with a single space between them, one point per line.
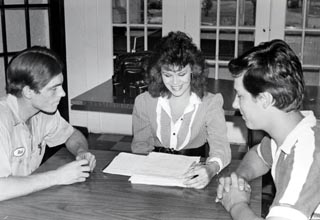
pixel 12 102
pixel 193 100
pixel 308 121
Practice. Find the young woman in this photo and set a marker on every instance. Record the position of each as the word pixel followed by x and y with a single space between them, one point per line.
pixel 177 114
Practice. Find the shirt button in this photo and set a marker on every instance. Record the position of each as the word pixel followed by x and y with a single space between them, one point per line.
pixel 174 133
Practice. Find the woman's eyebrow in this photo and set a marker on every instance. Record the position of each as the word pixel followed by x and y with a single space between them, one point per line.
pixel 170 71
pixel 181 71
pixel 166 71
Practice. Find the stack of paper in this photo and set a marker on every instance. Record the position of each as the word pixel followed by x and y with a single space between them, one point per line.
pixel 155 169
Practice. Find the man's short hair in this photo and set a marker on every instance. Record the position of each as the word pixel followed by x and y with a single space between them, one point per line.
pixel 272 67
pixel 33 67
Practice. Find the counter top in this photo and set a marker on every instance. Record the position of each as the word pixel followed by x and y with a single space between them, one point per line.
pixel 101 98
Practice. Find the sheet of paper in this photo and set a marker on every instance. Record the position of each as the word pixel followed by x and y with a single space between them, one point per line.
pixel 125 164
pixel 163 164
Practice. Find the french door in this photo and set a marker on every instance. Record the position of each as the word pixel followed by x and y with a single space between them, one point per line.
pixel 223 29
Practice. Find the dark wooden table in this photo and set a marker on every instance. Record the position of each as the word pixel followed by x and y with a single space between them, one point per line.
pixel 107 196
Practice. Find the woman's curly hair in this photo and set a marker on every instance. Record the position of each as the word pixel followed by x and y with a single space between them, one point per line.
pixel 176 49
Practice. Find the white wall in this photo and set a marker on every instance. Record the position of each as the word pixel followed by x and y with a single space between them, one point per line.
pixel 89 60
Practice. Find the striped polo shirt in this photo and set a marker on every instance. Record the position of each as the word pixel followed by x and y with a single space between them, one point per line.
pixel 295 168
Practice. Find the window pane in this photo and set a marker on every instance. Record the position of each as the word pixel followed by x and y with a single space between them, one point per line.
pixel 119 40
pixel 246 41
pixel 294 40
pixel 312 77
pixel 136 39
pixel 154 11
pixel 136 9
pixel 247 15
pixel 226 45
pixel 39 27
pixel 154 35
pixel 228 13
pixel 311 51
pixel 119 11
pixel 294 3
pixel 13 2
pixel 208 43
pixel 209 12
pixel 38 1
pixel 313 14
pixel 2 78
pixel 294 14
pixel 16 30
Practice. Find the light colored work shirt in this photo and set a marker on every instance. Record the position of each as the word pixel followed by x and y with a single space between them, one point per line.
pixel 202 121
pixel 295 168
pixel 21 146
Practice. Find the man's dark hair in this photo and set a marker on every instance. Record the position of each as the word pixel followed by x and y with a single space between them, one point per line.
pixel 33 67
pixel 272 67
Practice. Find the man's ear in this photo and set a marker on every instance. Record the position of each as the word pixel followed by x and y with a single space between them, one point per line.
pixel 266 99
pixel 27 92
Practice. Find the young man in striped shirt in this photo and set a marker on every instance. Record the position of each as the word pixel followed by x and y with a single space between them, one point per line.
pixel 268 80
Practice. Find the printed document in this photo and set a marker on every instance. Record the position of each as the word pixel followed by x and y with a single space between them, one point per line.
pixel 154 169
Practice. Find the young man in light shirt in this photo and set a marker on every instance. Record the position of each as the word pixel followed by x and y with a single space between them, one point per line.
pixel 29 121
pixel 268 80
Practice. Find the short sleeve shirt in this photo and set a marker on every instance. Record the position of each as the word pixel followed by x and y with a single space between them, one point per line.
pixel 295 168
pixel 22 147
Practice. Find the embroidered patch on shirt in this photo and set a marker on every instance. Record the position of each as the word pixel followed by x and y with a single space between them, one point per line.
pixel 19 152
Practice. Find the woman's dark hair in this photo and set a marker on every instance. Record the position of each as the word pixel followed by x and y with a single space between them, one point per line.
pixel 272 67
pixel 33 67
pixel 176 49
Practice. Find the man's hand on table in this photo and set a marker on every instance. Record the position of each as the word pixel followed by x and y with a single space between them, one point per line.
pixel 233 190
pixel 73 172
pixel 85 155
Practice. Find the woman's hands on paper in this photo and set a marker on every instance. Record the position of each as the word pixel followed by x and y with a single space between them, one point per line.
pixel 233 190
pixel 199 175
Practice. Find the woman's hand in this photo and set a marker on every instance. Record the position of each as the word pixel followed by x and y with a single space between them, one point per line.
pixel 199 175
